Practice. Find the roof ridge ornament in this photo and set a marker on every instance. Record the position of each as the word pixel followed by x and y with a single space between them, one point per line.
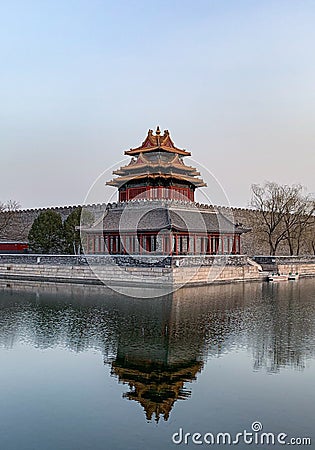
pixel 157 133
pixel 156 142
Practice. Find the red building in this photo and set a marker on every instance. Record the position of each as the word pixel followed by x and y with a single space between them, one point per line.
pixel 13 247
pixel 156 212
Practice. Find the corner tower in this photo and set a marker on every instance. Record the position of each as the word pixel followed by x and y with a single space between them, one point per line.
pixel 157 171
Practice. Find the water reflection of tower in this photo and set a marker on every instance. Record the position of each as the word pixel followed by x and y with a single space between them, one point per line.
pixel 163 343
pixel 155 357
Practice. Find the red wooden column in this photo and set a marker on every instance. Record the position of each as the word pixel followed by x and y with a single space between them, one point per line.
pixel 176 244
pixel 234 245
pixel 93 245
pixel 217 245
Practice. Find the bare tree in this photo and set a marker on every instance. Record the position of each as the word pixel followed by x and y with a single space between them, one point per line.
pixel 312 236
pixel 298 219
pixel 308 237
pixel 7 211
pixel 286 212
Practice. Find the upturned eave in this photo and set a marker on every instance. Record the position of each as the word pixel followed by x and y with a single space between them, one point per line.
pixel 120 181
pixel 137 151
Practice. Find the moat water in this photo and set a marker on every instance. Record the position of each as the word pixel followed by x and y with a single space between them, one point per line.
pixel 85 368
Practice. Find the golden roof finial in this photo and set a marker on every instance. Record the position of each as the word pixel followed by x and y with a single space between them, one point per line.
pixel 158 132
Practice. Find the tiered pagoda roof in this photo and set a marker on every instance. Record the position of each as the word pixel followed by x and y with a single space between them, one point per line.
pixel 157 142
pixel 157 158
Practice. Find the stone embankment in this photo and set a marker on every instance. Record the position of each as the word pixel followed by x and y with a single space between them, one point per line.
pixel 149 270
pixel 303 265
pixel 140 270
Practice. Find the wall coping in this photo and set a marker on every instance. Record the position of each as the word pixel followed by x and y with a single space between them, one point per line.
pixel 124 260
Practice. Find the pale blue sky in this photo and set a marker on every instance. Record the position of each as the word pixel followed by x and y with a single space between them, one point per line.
pixel 81 81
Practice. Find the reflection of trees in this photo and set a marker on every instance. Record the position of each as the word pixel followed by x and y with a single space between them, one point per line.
pixel 155 346
pixel 283 327
pixel 49 315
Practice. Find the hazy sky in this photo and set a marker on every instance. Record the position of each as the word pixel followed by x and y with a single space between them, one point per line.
pixel 82 81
